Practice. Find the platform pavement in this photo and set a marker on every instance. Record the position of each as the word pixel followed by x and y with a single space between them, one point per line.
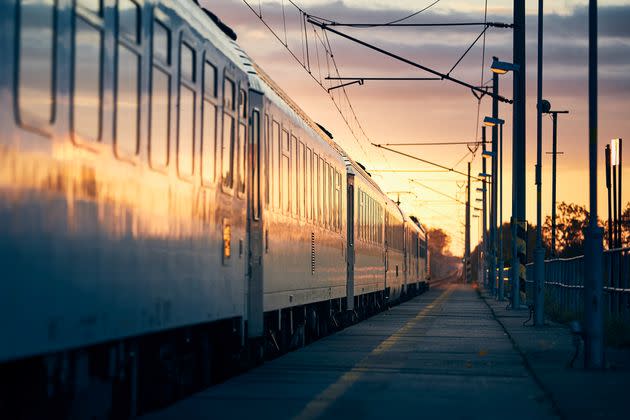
pixel 576 393
pixel 440 355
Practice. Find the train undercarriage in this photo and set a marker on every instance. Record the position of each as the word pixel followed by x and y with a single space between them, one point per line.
pixel 133 376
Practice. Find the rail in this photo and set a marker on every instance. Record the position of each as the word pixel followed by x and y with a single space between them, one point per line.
pixel 564 283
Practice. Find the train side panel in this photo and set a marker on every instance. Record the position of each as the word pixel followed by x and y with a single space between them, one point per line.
pixel 112 225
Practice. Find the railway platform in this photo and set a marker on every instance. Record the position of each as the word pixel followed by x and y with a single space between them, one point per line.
pixel 449 353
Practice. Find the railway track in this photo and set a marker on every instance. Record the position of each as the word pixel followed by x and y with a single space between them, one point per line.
pixel 454 276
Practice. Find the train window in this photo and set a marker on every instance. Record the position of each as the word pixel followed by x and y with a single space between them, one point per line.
pixel 242 103
pixel 227 150
pixel 127 102
pixel 186 132
pixel 129 20
pixel 309 184
pixel 360 214
pixel 324 175
pixel 339 203
pixel 94 6
pixel 275 154
pixel 187 63
pixel 286 172
pixel 210 80
pixel 209 121
pixel 242 155
pixel 36 62
pixel 161 42
pixel 160 97
pixel 228 95
pixel 267 160
pixel 335 204
pixel 87 92
pixel 316 187
pixel 208 146
pixel 295 171
pixel 302 180
pixel 256 164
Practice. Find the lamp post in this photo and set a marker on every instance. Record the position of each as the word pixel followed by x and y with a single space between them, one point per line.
pixel 554 175
pixel 476 216
pixel 539 252
pixel 593 302
pixel 518 246
pixel 487 281
pixel 501 283
pixel 495 123
pixel 616 161
pixel 483 232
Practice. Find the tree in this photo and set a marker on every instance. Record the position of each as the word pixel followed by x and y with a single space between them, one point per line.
pixel 571 221
pixel 442 261
pixel 439 241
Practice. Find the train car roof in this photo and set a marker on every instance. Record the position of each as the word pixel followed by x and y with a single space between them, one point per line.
pixel 260 81
pixel 355 168
pixel 208 24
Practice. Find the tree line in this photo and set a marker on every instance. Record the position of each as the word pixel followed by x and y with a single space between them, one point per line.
pixel 571 221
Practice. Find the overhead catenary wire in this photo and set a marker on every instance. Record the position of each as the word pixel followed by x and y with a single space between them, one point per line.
pixel 406 60
pixel 426 161
pixel 305 63
pixel 415 181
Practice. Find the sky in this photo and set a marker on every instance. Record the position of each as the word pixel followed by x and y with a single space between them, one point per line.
pixel 441 111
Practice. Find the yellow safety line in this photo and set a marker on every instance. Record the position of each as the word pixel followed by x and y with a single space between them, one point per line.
pixel 316 407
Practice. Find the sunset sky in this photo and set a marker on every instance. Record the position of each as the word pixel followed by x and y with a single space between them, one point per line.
pixel 421 111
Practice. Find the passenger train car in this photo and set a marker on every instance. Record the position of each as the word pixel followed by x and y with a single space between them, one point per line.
pixel 168 214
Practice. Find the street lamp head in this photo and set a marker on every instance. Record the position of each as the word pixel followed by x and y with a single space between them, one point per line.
pixel 484 175
pixel 479 200
pixel 502 67
pixel 546 106
pixel 487 154
pixel 491 122
pixel 481 189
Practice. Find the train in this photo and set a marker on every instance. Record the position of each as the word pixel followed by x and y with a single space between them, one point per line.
pixel 168 215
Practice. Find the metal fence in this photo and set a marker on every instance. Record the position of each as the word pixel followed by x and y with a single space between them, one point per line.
pixel 564 283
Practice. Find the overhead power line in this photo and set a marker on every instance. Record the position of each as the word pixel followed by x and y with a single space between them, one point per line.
pixel 423 25
pixel 440 192
pixel 315 56
pixel 426 161
pixel 443 76
pixel 429 143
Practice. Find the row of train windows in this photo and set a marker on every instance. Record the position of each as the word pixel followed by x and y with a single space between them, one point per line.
pixel 299 181
pixel 370 219
pixel 394 233
pixel 36 90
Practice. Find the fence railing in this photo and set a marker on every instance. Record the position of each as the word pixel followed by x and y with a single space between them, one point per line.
pixel 564 282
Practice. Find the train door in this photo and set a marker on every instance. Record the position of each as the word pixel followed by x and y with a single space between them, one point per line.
pixel 350 244
pixel 254 218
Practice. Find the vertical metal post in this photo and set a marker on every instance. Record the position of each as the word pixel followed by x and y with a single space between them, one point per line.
pixel 619 202
pixel 615 207
pixel 593 305
pixel 467 234
pixel 519 225
pixel 486 274
pixel 539 253
pixel 501 293
pixel 494 184
pixel 554 174
pixel 611 244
